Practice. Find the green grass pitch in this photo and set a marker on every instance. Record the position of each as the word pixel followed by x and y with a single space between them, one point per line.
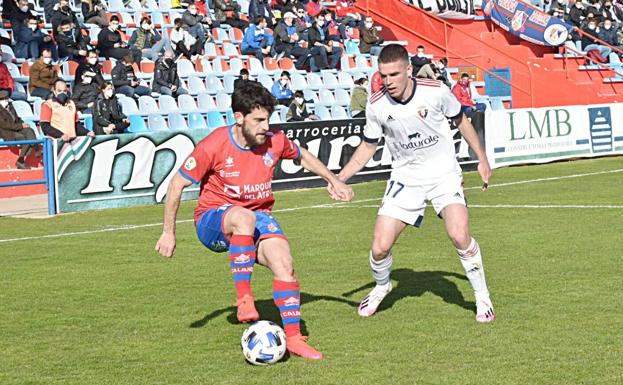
pixel 100 307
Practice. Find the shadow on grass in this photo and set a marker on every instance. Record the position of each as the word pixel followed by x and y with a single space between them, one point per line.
pixel 415 283
pixel 268 311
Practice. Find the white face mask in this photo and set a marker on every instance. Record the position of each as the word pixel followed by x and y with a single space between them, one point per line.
pixel 92 61
pixel 24 8
pixel 113 27
pixel 192 11
pixel 47 60
pixel 4 103
pixel 108 93
pixel 283 82
pixel 87 80
pixel 299 100
pixel 32 27
pixel 146 26
pixel 368 25
pixel 420 54
pixel 320 23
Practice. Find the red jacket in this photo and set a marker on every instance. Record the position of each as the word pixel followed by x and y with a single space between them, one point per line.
pixel 343 8
pixel 313 9
pixel 463 94
pixel 6 80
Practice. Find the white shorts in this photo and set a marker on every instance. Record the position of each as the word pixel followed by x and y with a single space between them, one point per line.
pixel 407 203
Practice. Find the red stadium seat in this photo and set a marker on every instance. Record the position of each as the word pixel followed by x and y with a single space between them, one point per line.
pixel 25 69
pixel 107 67
pixel 148 67
pixel 286 64
pixel 270 64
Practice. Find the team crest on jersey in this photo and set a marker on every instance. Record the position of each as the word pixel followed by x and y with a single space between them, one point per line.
pixel 190 164
pixel 269 160
pixel 229 162
pixel 272 228
pixel 423 112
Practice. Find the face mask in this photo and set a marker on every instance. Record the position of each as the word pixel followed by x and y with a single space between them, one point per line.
pixel 62 98
pixel 320 23
pixel 441 66
pixel 193 11
pixel 113 27
pixel 47 60
pixel 283 82
pixel 65 8
pixel 368 25
pixel 108 93
pixel 420 54
pixel 168 61
pixel 146 26
pixel 299 100
pixel 607 26
pixel 32 27
pixel 24 9
pixel 591 26
pixel 87 80
pixel 4 103
pixel 92 61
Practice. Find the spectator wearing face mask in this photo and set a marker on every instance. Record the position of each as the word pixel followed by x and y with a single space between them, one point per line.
pixel 18 13
pixel 194 24
pixel 72 44
pixel 94 12
pixel 228 12
pixel 91 66
pixel 43 75
pixel 30 40
pixel 463 93
pixel 257 40
pixel 125 81
pixel 370 39
pixel 184 43
pixel 85 93
pixel 149 41
pixel 347 14
pixel 62 12
pixel 359 98
pixel 166 81
pixel 282 89
pixel 608 34
pixel 287 41
pixel 262 8
pixel 297 112
pixel 110 42
pixel 589 43
pixel 7 83
pixel 435 70
pixel 326 54
pixel 577 13
pixel 59 115
pixel 12 127
pixel 419 60
pixel 243 78
pixel 108 117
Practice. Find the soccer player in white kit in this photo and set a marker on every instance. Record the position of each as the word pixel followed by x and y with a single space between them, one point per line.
pixel 412 115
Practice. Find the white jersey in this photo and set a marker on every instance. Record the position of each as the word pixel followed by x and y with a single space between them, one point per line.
pixel 416 131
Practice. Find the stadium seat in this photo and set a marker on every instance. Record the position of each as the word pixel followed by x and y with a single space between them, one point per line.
pixel 220 36
pixel 116 5
pixel 157 17
pixel 230 50
pixel 275 118
pixel 310 96
pixel 346 80
pixel 497 103
pixel 338 112
pixel 24 111
pixel 314 81
pixel 177 122
pixel 271 65
pixel 137 124
pixel 157 122
pixel 286 64
pixel 215 120
pixel 330 80
pixel 347 63
pixel 223 101
pixel 342 97
pixel 220 65
pixel 255 66
pixel 185 68
pixel 236 35
pixel 228 83
pixel 235 65
pixel 326 97
pixel 362 63
pixel 266 81
pixel 614 58
pixel 186 104
pixel 35 128
pixel 196 121
pixel 206 102
pixel 322 112
pixel 196 85
pixel 351 47
pixel 214 85
pixel 204 67
pixel 210 50
pixel 165 5
pixel 298 82
pixel 167 104
pixel 229 117
pixel 36 106
pixel 88 122
pixel 148 105
pixel 127 20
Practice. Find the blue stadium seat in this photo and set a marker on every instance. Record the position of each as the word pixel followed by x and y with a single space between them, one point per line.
pixel 196 121
pixel 351 47
pixel 229 117
pixel 137 124
pixel 88 122
pixel 148 105
pixel 177 121
pixel 157 122
pixel 167 104
pixel 215 119
pixel 206 102
pixel 186 103
pixel 497 104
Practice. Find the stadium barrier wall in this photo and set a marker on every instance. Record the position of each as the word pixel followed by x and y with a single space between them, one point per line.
pixel 127 170
pixel 540 135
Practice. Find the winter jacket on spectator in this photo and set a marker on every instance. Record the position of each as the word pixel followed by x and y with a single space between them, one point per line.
pixel 83 94
pixel 95 68
pixel 10 122
pixel 297 112
pixel 223 8
pixel 61 15
pixel 576 15
pixel 368 38
pixel 260 8
pixel 608 35
pixel 280 91
pixel 17 16
pixel 23 36
pixel 106 112
pixel 6 80
pixel 256 38
pixel 165 75
pixel 189 19
pixel 122 75
pixel 282 34
pixel 463 94
pixel 71 42
pixel 417 62
pixel 106 39
pixel 359 99
pixel 142 39
pixel 42 76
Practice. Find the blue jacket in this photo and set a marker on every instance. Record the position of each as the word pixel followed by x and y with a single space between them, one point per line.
pixel 23 37
pixel 254 38
pixel 609 36
pixel 281 92
pixel 262 9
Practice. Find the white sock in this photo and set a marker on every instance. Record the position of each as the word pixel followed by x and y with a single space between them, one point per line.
pixel 381 269
pixel 471 259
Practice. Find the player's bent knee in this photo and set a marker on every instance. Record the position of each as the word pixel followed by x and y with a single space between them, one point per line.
pixel 380 250
pixel 242 220
pixel 460 238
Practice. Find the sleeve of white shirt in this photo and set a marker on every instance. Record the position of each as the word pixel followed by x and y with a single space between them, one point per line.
pixel 373 131
pixel 450 106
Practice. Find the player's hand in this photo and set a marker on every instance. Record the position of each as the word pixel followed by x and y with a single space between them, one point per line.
pixel 166 245
pixel 340 191
pixel 485 174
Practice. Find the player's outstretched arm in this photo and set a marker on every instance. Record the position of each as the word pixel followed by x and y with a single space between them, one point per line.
pixel 166 243
pixel 362 155
pixel 469 133
pixel 337 188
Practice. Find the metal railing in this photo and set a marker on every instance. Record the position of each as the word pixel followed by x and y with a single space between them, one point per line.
pixel 48 170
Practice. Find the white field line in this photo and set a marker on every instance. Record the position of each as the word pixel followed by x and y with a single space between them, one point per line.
pixel 343 205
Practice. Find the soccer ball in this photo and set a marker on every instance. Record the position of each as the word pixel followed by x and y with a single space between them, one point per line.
pixel 263 343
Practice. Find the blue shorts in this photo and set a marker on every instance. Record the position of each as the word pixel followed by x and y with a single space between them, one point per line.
pixel 210 228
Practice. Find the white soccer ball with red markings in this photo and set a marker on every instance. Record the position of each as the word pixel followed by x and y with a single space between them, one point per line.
pixel 263 343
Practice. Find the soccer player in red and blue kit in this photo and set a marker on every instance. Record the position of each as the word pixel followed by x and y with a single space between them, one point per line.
pixel 235 166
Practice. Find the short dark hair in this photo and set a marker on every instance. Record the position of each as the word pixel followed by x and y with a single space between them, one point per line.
pixel 285 73
pixel 444 61
pixel 420 46
pixel 361 80
pixel 147 19
pixel 464 75
pixel 250 96
pixel 104 85
pixel 114 18
pixel 129 58
pixel 393 53
pixel 258 19
pixel 65 22
pixel 244 71
pixel 299 94
pixel 45 50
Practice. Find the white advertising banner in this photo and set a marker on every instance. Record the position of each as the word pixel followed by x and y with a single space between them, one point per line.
pixel 540 135
pixel 446 9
